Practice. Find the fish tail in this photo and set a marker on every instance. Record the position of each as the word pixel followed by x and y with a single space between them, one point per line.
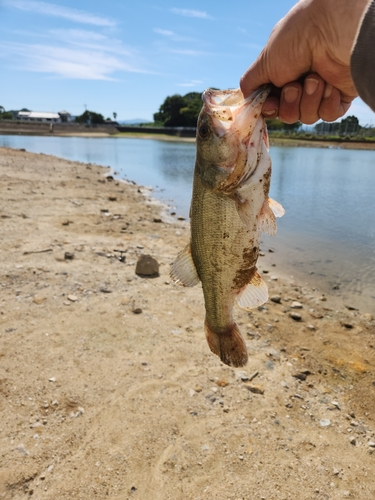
pixel 228 345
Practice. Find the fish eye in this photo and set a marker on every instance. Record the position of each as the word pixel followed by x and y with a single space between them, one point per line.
pixel 204 131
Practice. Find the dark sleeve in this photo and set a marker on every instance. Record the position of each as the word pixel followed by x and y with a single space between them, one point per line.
pixel 362 63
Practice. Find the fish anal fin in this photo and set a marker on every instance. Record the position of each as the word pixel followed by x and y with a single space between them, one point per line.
pixel 183 270
pixel 228 345
pixel 254 294
pixel 277 209
pixel 267 220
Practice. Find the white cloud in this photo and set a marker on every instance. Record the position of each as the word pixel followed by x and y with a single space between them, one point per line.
pixel 72 62
pixel 163 32
pixel 191 13
pixel 192 83
pixel 188 52
pixel 50 9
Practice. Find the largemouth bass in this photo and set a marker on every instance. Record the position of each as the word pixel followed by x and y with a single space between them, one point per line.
pixel 230 208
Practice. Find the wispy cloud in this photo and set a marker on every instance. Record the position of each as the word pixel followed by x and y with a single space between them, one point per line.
pixel 69 13
pixel 74 54
pixel 163 32
pixel 191 13
pixel 188 52
pixel 192 83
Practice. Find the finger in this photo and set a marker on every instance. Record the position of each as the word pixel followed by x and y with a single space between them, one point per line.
pixel 332 107
pixel 313 89
pixel 271 107
pixel 289 107
pixel 254 77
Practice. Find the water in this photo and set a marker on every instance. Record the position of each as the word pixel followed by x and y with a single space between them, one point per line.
pixel 327 236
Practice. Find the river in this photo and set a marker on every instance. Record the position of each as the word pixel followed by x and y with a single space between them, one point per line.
pixel 327 236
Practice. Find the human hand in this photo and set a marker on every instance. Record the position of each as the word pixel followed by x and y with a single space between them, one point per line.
pixel 308 58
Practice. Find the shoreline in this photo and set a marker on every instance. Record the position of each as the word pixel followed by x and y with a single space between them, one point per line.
pixel 108 387
pixel 274 141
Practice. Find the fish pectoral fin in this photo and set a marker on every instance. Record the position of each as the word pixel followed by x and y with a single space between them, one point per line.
pixel 276 208
pixel 254 294
pixel 183 271
pixel 267 220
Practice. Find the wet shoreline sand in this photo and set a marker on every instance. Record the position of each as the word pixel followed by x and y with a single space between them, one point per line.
pixel 108 388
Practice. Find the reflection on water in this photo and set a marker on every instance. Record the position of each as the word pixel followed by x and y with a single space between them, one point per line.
pixel 328 229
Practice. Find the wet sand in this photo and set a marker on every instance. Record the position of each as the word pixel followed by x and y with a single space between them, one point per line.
pixel 108 388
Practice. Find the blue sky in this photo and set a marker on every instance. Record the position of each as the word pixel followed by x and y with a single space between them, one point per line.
pixel 126 56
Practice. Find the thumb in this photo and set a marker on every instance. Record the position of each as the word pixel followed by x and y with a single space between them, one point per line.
pixel 255 76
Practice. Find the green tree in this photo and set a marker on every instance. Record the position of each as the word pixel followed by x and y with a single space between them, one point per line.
pixel 2 110
pixel 349 125
pixel 90 117
pixel 180 111
pixel 114 115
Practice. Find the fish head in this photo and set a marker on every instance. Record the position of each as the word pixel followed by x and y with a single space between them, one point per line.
pixel 229 130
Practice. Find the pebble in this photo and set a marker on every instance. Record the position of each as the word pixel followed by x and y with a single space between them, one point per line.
pixel 325 422
pixel 295 316
pixel 371 444
pixel 72 298
pixel 368 317
pixel 276 299
pixel 311 327
pixel 137 310
pixel 255 389
pixel 68 255
pixel 353 441
pixel 147 266
pixel 52 379
pixel 336 404
pixel 296 305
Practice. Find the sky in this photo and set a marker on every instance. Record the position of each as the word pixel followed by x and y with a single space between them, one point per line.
pixel 127 56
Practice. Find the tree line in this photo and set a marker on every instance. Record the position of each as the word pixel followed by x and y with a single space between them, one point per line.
pixel 183 110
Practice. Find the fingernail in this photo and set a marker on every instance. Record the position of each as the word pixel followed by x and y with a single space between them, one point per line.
pixel 327 91
pixel 268 112
pixel 311 84
pixel 290 94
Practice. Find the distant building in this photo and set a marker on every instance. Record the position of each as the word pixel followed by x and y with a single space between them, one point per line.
pixel 40 116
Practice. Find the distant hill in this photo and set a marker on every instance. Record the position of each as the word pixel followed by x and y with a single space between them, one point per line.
pixel 134 121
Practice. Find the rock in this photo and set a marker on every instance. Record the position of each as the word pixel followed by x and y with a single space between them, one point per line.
pixel 38 299
pixel 157 219
pixel 325 422
pixel 311 327
pixel 353 441
pixel 349 326
pixel 180 217
pixel 371 444
pixel 112 198
pixel 295 316
pixel 255 389
pixel 296 305
pixel 368 317
pixel 68 255
pixel 137 310
pixel 147 266
pixel 300 376
pixel 105 290
pixel 72 298
pixel 276 299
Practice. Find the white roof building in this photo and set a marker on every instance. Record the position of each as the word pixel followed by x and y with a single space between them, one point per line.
pixel 38 116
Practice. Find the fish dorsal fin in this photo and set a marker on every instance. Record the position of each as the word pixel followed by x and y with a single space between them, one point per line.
pixel 183 271
pixel 267 220
pixel 254 294
pixel 276 208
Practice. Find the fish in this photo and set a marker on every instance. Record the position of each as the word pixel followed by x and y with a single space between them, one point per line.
pixel 230 208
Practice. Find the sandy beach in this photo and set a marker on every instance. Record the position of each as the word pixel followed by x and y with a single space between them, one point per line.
pixel 108 388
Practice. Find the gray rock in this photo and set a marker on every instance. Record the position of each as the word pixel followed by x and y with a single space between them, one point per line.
pixel 296 316
pixel 276 299
pixel 147 266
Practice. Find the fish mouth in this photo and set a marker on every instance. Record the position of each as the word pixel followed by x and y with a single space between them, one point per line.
pixel 229 109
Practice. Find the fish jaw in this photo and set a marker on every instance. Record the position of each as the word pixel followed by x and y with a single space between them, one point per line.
pixel 229 153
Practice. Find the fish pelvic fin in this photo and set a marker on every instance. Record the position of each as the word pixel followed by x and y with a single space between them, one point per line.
pixel 229 345
pixel 183 270
pixel 254 294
